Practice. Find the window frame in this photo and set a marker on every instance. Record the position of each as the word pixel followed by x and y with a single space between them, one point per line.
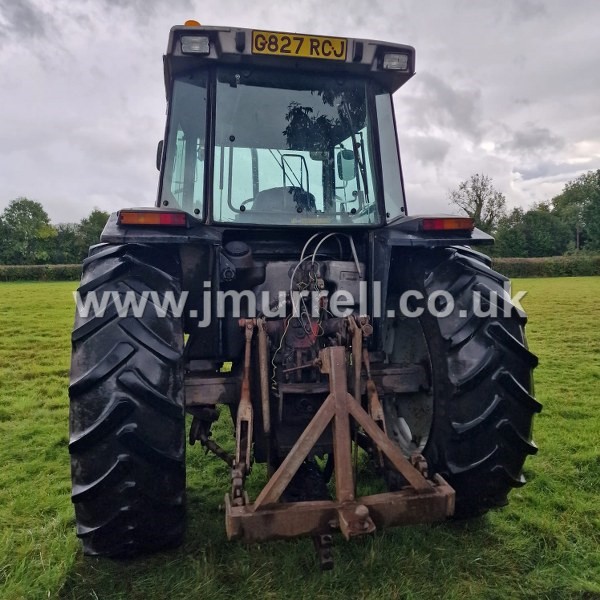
pixel 372 88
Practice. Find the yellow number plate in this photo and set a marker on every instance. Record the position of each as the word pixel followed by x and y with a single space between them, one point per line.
pixel 304 46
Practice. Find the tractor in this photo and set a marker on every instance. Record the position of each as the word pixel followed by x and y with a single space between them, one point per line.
pixel 280 282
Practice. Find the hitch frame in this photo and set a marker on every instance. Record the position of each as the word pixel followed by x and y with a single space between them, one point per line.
pixel 422 500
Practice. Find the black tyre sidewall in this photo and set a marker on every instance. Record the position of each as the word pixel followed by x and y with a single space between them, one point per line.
pixel 127 409
pixel 482 423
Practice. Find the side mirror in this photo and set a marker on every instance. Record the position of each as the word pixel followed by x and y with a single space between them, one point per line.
pixel 159 151
pixel 346 165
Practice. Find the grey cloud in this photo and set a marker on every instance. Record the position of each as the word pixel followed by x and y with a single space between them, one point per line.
pixel 427 150
pixel 552 169
pixel 525 10
pixel 533 139
pixel 23 17
pixel 36 19
pixel 145 8
pixel 439 104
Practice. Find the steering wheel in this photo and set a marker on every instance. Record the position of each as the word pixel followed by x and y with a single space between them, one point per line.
pixel 243 204
pixel 341 200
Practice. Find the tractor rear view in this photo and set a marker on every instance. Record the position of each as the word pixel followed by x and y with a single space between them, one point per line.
pixel 280 275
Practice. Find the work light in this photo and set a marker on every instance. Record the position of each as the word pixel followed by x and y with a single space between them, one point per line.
pixel 396 62
pixel 195 44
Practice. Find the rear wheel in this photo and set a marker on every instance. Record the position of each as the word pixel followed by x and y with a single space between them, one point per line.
pixel 480 406
pixel 127 408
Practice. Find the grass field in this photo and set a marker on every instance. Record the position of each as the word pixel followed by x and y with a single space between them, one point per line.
pixel 545 544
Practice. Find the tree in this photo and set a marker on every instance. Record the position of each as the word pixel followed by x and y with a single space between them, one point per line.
pixel 577 206
pixel 537 232
pixel 545 233
pixel 26 233
pixel 591 218
pixel 66 246
pixel 510 235
pixel 89 230
pixel 478 198
pixel 3 242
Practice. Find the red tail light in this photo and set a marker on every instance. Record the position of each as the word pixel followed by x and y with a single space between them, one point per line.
pixel 448 224
pixel 153 218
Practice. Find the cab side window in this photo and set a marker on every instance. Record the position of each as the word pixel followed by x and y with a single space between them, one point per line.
pixel 183 177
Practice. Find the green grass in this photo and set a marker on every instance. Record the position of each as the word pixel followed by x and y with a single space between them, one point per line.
pixel 545 544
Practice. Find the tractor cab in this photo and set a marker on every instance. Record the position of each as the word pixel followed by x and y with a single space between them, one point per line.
pixel 282 129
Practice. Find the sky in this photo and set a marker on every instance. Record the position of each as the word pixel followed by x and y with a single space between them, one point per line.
pixel 509 89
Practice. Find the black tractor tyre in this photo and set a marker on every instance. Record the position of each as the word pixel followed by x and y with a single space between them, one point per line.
pixel 127 428
pixel 481 372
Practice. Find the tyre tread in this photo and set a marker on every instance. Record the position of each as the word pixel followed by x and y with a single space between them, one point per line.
pixel 127 439
pixel 481 433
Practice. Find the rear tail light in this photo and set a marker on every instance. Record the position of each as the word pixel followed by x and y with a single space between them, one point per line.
pixel 448 224
pixel 153 218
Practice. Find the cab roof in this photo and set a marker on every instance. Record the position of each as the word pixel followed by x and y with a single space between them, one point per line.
pixel 191 47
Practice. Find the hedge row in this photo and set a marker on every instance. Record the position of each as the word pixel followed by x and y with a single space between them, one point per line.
pixel 40 272
pixel 552 266
pixel 555 266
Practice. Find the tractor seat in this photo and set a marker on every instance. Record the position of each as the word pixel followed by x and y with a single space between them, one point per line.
pixel 277 199
pixel 270 204
pixel 284 199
